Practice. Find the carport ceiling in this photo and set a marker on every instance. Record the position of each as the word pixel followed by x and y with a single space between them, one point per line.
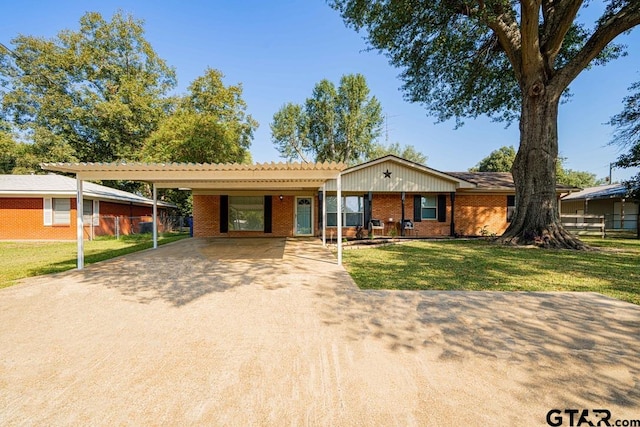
pixel 206 175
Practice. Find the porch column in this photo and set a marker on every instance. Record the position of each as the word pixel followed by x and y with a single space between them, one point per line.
pixel 324 214
pixel 155 216
pixel 80 221
pixel 339 195
pixel 402 196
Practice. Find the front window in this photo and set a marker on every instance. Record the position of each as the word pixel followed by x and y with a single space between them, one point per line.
pixel 246 213
pixel 61 211
pixel 429 207
pixel 352 211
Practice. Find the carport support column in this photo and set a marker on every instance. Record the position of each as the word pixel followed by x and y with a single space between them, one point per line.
pixel 155 216
pixel 339 196
pixel 324 214
pixel 80 221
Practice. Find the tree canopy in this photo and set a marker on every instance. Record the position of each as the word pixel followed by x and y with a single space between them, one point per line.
pixel 334 124
pixel 506 59
pixel 209 125
pixel 408 152
pixel 501 160
pixel 95 93
pixel 627 135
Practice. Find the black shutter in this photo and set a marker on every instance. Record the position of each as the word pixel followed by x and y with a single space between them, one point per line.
pixel 442 208
pixel 320 196
pixel 268 211
pixel 511 201
pixel 224 214
pixel 367 209
pixel 417 208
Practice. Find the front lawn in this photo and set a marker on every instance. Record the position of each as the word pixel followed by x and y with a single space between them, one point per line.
pixel 478 265
pixel 25 259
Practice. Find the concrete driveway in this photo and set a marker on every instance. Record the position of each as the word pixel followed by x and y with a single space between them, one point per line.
pixel 273 332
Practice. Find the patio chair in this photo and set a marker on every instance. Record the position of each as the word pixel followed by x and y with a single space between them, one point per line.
pixel 376 224
pixel 407 225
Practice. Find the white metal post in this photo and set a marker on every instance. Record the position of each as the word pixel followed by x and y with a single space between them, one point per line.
pixel 324 214
pixel 155 216
pixel 80 222
pixel 339 195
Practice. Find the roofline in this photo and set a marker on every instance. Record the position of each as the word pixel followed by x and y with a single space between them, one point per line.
pixel 87 194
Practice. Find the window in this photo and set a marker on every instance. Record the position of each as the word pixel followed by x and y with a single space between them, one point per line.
pixel 352 211
pixel 429 207
pixel 511 207
pixel 61 211
pixel 246 213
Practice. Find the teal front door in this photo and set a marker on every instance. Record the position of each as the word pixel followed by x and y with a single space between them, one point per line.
pixel 304 211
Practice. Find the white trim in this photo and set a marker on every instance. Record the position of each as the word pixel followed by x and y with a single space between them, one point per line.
pixel 295 216
pixel 96 213
pixel 339 222
pixel 80 222
pixel 155 217
pixel 47 204
pixel 324 214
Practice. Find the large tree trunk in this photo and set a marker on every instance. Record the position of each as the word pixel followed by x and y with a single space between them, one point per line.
pixel 536 219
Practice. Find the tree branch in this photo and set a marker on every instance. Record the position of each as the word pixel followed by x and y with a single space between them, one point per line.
pixel 627 18
pixel 529 30
pixel 504 25
pixel 558 19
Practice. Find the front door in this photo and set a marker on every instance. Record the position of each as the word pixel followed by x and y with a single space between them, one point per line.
pixel 303 215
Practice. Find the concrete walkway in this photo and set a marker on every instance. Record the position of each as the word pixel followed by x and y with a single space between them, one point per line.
pixel 273 332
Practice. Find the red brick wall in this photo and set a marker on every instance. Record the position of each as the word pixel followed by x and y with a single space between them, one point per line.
pixel 129 218
pixel 206 218
pixel 23 219
pixel 473 212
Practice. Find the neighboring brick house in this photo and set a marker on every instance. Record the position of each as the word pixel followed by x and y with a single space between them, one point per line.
pixel 44 207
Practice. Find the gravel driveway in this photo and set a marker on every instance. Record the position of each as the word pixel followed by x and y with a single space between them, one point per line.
pixel 273 332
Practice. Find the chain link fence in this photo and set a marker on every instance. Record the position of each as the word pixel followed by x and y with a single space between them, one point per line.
pixel 117 226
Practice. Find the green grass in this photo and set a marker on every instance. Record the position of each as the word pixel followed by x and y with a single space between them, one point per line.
pixel 25 259
pixel 613 269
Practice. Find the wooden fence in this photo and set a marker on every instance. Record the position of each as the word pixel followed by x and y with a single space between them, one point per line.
pixel 584 224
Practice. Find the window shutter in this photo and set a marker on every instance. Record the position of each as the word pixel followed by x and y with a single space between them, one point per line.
pixel 48 211
pixel 442 208
pixel 367 209
pixel 224 214
pixel 320 196
pixel 96 212
pixel 417 208
pixel 268 211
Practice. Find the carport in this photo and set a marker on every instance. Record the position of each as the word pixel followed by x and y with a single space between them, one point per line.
pixel 228 176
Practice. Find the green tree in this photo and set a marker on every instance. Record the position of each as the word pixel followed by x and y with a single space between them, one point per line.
pixel 500 160
pixel 627 135
pixel 210 125
pixel 333 125
pixel 100 89
pixel 504 58
pixel 408 152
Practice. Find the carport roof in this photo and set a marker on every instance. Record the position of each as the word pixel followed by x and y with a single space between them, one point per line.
pixel 208 175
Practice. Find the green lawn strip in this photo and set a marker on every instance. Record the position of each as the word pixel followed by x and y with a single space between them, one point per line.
pixel 26 259
pixel 612 270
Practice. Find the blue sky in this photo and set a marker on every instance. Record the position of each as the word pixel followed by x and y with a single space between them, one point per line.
pixel 280 49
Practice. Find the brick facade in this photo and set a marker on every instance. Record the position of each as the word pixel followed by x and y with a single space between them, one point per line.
pixel 206 214
pixel 23 219
pixel 472 213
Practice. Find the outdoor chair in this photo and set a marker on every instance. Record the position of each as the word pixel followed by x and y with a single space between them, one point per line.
pixel 375 224
pixel 407 225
